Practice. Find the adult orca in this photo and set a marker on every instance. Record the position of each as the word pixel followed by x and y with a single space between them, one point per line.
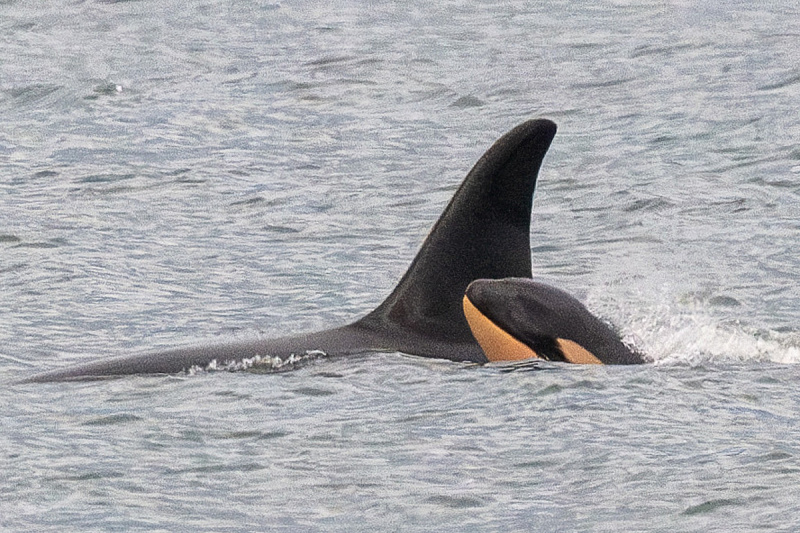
pixel 484 232
pixel 518 318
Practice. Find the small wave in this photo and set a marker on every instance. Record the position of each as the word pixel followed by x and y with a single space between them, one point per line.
pixel 120 418
pixel 603 84
pixel 330 60
pixel 8 238
pixel 468 101
pixel 33 93
pixel 259 363
pixel 527 365
pixel 780 84
pixel 648 205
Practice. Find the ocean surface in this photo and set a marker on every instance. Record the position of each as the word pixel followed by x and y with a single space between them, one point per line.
pixel 180 170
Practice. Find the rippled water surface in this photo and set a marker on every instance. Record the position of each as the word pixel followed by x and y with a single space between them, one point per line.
pixel 180 170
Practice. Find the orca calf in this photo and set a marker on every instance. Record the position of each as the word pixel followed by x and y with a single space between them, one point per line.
pixel 484 232
pixel 518 318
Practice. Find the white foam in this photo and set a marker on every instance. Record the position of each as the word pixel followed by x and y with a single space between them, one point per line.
pixel 261 362
pixel 694 338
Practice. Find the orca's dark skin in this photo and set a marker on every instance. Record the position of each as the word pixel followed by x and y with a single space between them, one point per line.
pixel 483 233
pixel 518 318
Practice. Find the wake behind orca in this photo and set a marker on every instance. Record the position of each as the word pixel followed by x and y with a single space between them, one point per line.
pixel 484 232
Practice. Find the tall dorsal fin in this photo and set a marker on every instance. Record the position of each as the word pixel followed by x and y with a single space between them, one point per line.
pixel 483 233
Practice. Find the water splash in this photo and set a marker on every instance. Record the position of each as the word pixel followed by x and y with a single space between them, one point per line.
pixel 259 364
pixel 695 338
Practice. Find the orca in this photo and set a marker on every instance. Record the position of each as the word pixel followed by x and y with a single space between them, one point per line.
pixel 484 232
pixel 518 318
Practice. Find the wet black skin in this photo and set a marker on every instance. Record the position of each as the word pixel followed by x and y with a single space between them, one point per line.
pixel 537 315
pixel 484 232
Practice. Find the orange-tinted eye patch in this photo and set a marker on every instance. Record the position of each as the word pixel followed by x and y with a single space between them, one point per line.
pixel 497 344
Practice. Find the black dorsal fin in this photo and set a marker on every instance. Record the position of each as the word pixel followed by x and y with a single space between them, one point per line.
pixel 483 233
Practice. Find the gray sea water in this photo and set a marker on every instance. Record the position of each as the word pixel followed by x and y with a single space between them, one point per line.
pixel 177 170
